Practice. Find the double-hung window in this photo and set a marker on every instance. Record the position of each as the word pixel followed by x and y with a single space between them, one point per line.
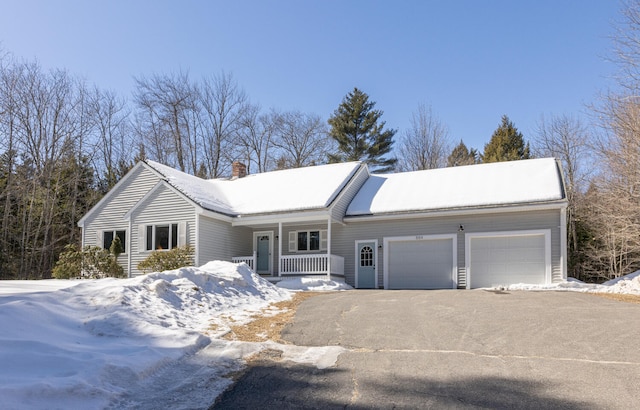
pixel 307 241
pixel 159 237
pixel 109 236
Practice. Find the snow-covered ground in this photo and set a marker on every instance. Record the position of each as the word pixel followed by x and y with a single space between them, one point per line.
pixel 153 341
pixel 629 284
pixel 146 342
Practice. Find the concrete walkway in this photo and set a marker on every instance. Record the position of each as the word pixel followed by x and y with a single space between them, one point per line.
pixel 455 349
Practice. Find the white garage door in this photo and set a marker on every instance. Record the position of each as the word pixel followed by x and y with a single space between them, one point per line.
pixel 420 263
pixel 507 259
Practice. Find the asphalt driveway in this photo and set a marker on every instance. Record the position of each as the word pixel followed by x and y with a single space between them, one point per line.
pixel 455 349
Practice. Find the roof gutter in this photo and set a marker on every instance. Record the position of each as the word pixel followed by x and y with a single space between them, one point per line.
pixel 556 205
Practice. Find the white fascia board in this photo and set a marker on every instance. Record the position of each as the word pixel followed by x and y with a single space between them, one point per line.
pixel 214 215
pixel 457 212
pixel 113 189
pixel 283 218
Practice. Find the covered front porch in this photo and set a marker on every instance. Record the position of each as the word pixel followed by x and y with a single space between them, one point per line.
pixel 305 251
pixel 296 265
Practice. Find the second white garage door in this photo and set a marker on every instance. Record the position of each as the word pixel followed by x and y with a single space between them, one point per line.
pixel 508 258
pixel 420 262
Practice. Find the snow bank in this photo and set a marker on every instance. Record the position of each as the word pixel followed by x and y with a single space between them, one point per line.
pixel 312 284
pixel 629 284
pixel 85 345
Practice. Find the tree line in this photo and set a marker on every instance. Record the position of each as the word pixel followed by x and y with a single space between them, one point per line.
pixel 64 144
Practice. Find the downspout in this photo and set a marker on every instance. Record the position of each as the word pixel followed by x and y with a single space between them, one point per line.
pixel 196 255
pixel 329 248
pixel 279 248
pixel 563 242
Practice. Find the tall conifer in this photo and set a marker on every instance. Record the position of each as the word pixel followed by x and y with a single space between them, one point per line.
pixel 461 155
pixel 506 144
pixel 355 126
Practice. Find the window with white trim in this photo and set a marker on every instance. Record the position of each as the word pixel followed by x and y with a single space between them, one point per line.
pixel 307 241
pixel 108 236
pixel 161 237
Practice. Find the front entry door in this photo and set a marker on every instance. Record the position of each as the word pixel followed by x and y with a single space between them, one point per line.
pixel 366 265
pixel 263 252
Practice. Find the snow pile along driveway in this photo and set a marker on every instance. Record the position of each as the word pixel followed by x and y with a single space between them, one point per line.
pixel 87 345
pixel 629 284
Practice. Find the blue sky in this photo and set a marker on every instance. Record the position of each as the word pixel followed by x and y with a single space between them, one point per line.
pixel 472 61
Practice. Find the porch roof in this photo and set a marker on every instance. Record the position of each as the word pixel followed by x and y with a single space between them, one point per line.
pixel 300 189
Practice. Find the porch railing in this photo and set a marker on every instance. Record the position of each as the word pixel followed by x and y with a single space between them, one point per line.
pixel 249 260
pixel 301 264
pixel 311 264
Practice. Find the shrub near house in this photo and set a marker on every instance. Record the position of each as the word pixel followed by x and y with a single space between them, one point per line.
pixel 91 262
pixel 159 261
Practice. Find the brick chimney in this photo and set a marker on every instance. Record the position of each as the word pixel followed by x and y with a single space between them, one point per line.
pixel 238 170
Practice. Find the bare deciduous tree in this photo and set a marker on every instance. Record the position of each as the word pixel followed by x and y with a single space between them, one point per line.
pixel 168 110
pixel 613 201
pixel 567 139
pixel 301 138
pixel 626 50
pixel 255 137
pixel 223 104
pixel 426 144
pixel 43 172
pixel 113 136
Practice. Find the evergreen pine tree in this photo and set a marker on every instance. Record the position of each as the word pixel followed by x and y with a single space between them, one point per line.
pixel 506 144
pixel 116 247
pixel 355 126
pixel 461 155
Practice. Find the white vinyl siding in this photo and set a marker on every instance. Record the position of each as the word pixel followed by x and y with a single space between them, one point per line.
pixel 339 208
pixel 344 236
pixel 109 215
pixel 218 240
pixel 161 208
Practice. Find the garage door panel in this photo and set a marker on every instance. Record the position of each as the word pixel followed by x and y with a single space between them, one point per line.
pixel 507 260
pixel 420 264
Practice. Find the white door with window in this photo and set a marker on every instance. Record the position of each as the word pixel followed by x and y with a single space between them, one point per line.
pixel 263 247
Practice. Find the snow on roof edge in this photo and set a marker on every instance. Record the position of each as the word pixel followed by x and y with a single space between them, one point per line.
pixel 345 182
pixel 457 188
pixel 216 196
pixel 171 180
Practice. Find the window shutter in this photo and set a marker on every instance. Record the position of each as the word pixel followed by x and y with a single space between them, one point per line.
pixel 99 238
pixel 142 243
pixel 182 234
pixel 323 240
pixel 293 242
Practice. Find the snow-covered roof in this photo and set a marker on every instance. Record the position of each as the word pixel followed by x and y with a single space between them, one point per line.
pixel 483 185
pixel 288 190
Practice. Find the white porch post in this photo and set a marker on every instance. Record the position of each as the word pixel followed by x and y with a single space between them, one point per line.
pixel 279 248
pixel 329 248
pixel 130 234
pixel 563 242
